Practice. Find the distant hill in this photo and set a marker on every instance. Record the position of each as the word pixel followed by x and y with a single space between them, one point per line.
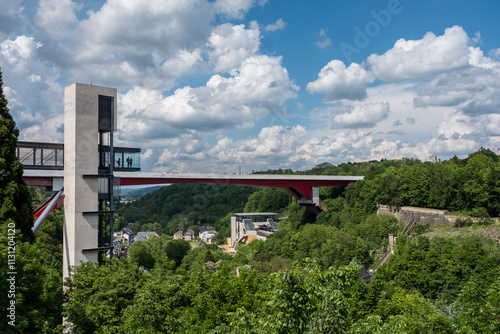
pixel 205 202
pixel 138 193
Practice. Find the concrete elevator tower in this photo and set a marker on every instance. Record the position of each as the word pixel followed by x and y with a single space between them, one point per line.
pixel 90 114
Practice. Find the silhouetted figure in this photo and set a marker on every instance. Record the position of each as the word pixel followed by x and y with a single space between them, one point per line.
pixel 130 162
pixel 118 162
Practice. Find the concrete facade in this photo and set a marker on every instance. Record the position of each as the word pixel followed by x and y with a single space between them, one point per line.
pixel 246 227
pixel 81 157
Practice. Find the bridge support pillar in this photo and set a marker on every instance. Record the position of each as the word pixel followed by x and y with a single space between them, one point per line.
pixel 308 197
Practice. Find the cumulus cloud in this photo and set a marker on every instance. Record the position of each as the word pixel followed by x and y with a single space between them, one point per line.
pixel 324 41
pixel 231 44
pixel 338 82
pixel 495 53
pixel 56 17
pixel 236 8
pixel 165 42
pixel 18 52
pixel 452 146
pixel 145 43
pixel 45 130
pixel 10 17
pixel 274 147
pixel 259 88
pixel 278 25
pixel 184 62
pixel 411 59
pixel 147 154
pixel 286 147
pixel 361 116
pixel 30 84
pixel 458 135
pixel 474 90
pixel 357 146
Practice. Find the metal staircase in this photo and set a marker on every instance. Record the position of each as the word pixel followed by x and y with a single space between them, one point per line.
pixel 383 260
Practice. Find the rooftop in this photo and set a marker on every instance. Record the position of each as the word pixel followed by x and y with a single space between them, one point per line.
pixel 255 214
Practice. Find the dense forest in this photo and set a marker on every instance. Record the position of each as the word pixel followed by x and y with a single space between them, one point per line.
pixel 300 280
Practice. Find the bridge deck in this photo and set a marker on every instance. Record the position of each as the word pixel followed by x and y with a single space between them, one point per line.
pixel 302 183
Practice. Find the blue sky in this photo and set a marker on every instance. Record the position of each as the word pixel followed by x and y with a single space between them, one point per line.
pixel 209 86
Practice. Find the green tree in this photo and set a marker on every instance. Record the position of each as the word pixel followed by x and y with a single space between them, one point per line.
pixel 37 280
pixel 218 298
pixel 193 218
pixel 477 306
pixel 176 250
pixel 314 303
pixel 416 314
pixel 158 306
pixel 195 229
pixel 96 296
pixel 15 199
pixel 38 289
pixel 140 254
pixel 268 200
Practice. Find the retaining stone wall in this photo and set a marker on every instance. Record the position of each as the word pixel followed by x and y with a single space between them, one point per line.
pixel 421 215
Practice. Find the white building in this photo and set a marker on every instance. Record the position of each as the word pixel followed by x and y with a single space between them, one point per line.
pixel 208 236
pixel 246 227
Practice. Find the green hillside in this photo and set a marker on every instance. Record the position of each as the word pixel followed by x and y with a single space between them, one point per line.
pixel 179 206
pixel 137 193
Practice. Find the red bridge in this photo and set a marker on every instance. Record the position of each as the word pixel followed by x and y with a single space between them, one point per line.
pixel 302 187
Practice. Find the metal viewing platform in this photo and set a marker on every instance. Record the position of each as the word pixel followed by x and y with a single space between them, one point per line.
pixel 45 156
pixel 50 156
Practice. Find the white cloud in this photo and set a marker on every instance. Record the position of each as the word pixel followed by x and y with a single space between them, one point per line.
pixel 474 90
pixel 324 41
pixel 10 17
pixel 146 43
pixel 411 59
pixel 274 147
pixel 31 86
pixel 231 44
pixel 339 82
pixel 459 135
pixel 56 17
pixel 259 88
pixel 477 37
pixel 45 130
pixel 183 63
pixel 452 146
pixel 285 147
pixel 278 25
pixel 361 116
pixel 147 154
pixel 492 124
pixel 397 150
pixel 236 8
pixel 495 53
pixel 11 7
pixel 137 100
pixel 18 52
